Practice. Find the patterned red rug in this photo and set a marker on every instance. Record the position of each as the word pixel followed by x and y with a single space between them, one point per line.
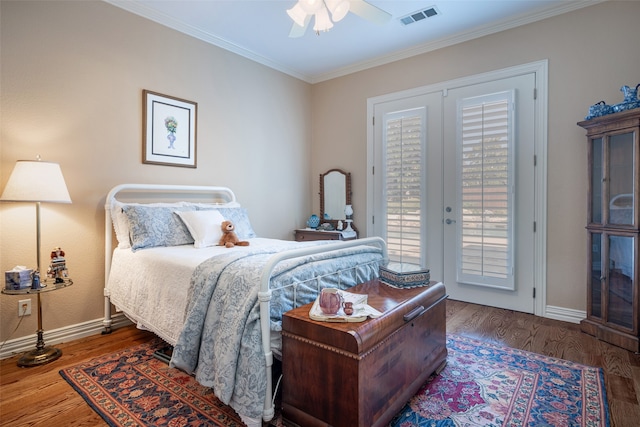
pixel 486 384
pixel 134 388
pixel 482 385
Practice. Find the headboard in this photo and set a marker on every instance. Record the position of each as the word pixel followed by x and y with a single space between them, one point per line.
pixel 152 193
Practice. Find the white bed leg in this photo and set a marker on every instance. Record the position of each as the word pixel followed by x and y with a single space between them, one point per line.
pixel 106 322
pixel 265 316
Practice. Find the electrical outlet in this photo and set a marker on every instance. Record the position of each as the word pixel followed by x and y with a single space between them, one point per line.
pixel 24 307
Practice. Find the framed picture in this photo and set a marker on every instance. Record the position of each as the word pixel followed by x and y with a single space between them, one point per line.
pixel 169 130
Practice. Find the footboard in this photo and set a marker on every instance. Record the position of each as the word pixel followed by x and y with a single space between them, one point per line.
pixel 265 294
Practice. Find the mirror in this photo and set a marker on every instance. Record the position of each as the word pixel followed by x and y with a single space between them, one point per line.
pixel 335 194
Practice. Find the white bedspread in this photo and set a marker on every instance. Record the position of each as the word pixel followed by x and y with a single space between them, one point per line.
pixel 162 277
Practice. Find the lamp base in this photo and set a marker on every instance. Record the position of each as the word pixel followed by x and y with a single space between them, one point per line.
pixel 39 356
pixel 348 229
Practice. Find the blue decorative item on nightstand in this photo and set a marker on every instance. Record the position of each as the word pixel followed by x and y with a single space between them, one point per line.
pixel 313 221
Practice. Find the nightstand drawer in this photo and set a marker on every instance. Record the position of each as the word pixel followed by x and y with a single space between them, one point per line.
pixel 308 235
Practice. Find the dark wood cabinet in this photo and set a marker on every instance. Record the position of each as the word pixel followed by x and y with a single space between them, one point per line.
pixel 613 225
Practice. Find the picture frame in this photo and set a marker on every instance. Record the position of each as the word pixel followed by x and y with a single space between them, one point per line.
pixel 169 130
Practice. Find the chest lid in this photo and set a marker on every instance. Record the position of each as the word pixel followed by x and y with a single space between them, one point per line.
pixel 399 307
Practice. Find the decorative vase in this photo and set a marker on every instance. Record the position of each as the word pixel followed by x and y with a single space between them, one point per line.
pixel 172 138
pixel 348 308
pixel 313 221
pixel 631 100
pixel 330 301
pixel 630 94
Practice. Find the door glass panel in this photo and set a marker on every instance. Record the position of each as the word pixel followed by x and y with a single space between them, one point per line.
pixel 620 296
pixel 621 179
pixel 486 190
pixel 404 177
pixel 596 274
pixel 596 180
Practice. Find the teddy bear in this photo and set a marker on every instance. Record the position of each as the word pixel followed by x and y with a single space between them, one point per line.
pixel 229 237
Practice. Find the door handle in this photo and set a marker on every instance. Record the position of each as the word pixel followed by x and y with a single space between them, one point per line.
pixel 449 221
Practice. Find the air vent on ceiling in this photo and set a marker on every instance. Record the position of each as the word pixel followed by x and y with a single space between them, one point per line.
pixel 419 15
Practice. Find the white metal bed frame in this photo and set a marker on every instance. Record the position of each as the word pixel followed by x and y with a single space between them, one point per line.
pixel 264 295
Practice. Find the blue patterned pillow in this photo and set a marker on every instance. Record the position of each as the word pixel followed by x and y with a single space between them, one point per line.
pixel 240 219
pixel 156 226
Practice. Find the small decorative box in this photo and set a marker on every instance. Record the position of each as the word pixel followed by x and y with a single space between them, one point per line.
pixel 17 279
pixel 405 279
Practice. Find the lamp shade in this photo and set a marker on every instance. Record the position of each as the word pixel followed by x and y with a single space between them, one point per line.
pixel 36 181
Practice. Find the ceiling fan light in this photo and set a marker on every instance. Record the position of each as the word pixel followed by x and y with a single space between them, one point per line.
pixel 322 22
pixel 298 14
pixel 338 8
pixel 311 6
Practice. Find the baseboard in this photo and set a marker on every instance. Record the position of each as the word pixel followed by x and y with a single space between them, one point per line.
pixel 57 336
pixel 94 327
pixel 564 314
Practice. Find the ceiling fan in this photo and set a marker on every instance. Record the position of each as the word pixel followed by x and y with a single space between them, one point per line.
pixel 326 12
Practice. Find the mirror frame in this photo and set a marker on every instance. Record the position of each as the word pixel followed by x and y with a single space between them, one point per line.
pixel 347 178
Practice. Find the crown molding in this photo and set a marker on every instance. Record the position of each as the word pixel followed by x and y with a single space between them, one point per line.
pixel 475 33
pixel 175 24
pixel 169 21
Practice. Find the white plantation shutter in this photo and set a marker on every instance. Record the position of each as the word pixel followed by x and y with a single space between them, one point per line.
pixel 403 186
pixel 485 190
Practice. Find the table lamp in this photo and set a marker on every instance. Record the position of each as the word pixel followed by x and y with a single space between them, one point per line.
pixel 37 181
pixel 348 211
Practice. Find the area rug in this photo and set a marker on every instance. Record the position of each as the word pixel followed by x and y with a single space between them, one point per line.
pixel 482 384
pixel 487 385
pixel 133 388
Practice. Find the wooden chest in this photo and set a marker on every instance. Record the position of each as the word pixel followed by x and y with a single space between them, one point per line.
pixel 362 374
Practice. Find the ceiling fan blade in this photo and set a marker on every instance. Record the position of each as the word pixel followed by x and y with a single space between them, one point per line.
pixel 297 30
pixel 369 12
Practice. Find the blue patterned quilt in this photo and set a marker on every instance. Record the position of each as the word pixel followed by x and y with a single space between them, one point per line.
pixel 221 341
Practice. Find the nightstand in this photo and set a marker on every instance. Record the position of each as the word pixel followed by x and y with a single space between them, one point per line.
pixel 42 354
pixel 309 234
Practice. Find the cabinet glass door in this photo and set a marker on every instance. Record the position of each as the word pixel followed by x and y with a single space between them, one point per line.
pixel 596 277
pixel 620 296
pixel 621 179
pixel 597 175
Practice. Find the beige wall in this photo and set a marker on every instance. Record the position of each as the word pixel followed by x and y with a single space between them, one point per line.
pixel 71 90
pixel 592 52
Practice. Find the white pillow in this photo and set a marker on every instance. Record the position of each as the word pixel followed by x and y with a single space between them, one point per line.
pixel 204 226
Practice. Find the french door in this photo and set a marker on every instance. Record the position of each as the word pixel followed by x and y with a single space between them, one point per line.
pixel 453 187
pixel 489 193
pixel 405 196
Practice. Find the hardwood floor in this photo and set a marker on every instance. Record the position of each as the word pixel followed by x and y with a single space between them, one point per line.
pixel 38 396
